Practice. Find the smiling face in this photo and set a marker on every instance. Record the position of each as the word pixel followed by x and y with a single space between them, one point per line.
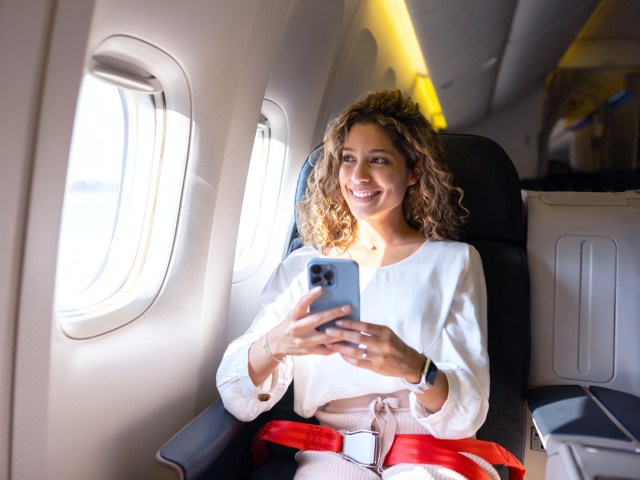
pixel 374 176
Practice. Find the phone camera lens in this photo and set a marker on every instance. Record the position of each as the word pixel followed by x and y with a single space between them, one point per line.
pixel 316 280
pixel 328 276
pixel 316 269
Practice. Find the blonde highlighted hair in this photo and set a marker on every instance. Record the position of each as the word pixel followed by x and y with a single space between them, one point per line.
pixel 433 205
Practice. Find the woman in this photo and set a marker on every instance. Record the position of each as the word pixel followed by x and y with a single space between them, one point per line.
pixel 416 362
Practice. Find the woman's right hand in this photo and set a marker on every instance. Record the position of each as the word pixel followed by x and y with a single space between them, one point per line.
pixel 297 334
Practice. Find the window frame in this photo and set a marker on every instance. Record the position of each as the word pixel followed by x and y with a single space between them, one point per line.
pixel 249 256
pixel 140 68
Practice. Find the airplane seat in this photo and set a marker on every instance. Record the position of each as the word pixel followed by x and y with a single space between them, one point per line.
pixel 497 229
pixel 215 445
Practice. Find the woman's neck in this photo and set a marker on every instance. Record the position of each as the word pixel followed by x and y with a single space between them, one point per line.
pixel 381 247
pixel 380 237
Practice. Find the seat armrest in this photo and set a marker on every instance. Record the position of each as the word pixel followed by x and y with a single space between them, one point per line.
pixel 623 406
pixel 568 413
pixel 193 449
pixel 593 416
pixel 588 432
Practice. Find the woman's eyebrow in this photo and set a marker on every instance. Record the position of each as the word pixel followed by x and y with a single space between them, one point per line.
pixel 380 150
pixel 373 150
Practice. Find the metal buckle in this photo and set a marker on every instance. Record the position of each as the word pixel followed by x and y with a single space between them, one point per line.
pixel 361 447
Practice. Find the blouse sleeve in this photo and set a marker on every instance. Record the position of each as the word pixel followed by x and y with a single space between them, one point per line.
pixel 461 353
pixel 240 396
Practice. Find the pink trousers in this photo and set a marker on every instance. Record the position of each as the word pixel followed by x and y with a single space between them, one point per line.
pixel 388 414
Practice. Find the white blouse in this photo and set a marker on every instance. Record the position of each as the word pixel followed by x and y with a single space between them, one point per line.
pixel 435 300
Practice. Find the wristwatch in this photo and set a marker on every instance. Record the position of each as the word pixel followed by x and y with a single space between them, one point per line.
pixel 427 377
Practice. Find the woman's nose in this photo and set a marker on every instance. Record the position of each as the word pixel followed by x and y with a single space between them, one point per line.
pixel 361 172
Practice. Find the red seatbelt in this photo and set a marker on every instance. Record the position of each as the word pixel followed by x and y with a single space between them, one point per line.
pixel 410 448
pixel 406 448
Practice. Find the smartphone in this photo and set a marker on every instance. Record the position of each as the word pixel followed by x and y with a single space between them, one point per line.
pixel 340 282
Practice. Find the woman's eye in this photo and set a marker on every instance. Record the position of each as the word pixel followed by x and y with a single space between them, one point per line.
pixel 378 160
pixel 347 158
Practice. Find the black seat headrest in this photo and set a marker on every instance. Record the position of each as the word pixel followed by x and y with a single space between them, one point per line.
pixel 491 188
pixel 486 175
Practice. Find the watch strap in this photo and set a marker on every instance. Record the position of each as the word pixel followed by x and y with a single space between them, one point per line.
pixel 428 377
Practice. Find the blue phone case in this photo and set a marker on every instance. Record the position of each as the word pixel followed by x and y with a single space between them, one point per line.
pixel 340 281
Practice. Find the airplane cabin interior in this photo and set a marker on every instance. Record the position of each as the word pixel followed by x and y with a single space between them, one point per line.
pixel 152 157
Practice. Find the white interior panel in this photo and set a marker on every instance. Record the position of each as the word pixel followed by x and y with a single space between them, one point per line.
pixel 584 260
pixel 584 313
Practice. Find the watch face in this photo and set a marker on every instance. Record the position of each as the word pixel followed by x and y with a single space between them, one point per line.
pixel 431 373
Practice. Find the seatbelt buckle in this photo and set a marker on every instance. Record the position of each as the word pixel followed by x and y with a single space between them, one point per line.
pixel 361 447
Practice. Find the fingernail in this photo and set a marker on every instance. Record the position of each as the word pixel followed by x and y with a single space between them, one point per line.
pixel 331 331
pixel 346 308
pixel 316 289
pixel 339 323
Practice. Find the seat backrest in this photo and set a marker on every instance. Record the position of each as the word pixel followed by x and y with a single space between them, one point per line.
pixel 496 229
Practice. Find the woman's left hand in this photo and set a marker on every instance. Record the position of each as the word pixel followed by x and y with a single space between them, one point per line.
pixel 377 349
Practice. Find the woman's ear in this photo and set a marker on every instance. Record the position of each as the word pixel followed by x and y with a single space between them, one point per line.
pixel 415 176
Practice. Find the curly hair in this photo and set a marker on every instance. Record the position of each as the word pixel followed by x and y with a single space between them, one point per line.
pixel 433 205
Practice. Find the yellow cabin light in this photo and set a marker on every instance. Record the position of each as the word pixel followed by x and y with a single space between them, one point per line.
pixel 424 93
pixel 399 15
pixel 426 96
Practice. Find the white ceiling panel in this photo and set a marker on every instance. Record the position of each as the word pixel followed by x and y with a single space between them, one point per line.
pixel 542 31
pixel 484 55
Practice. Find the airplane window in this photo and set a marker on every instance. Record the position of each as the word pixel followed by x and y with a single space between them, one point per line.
pixel 124 181
pixel 261 191
pixel 94 177
pixel 107 187
pixel 253 189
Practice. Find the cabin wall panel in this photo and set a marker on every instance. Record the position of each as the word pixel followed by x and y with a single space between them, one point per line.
pixel 26 26
pixel 516 129
pixel 251 87
pixel 30 436
pixel 371 34
pixel 100 407
pixel 300 72
pixel 357 74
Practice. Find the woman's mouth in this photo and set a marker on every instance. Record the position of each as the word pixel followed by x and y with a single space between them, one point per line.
pixel 364 194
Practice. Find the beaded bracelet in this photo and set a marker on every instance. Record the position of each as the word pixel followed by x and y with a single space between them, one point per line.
pixel 265 345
